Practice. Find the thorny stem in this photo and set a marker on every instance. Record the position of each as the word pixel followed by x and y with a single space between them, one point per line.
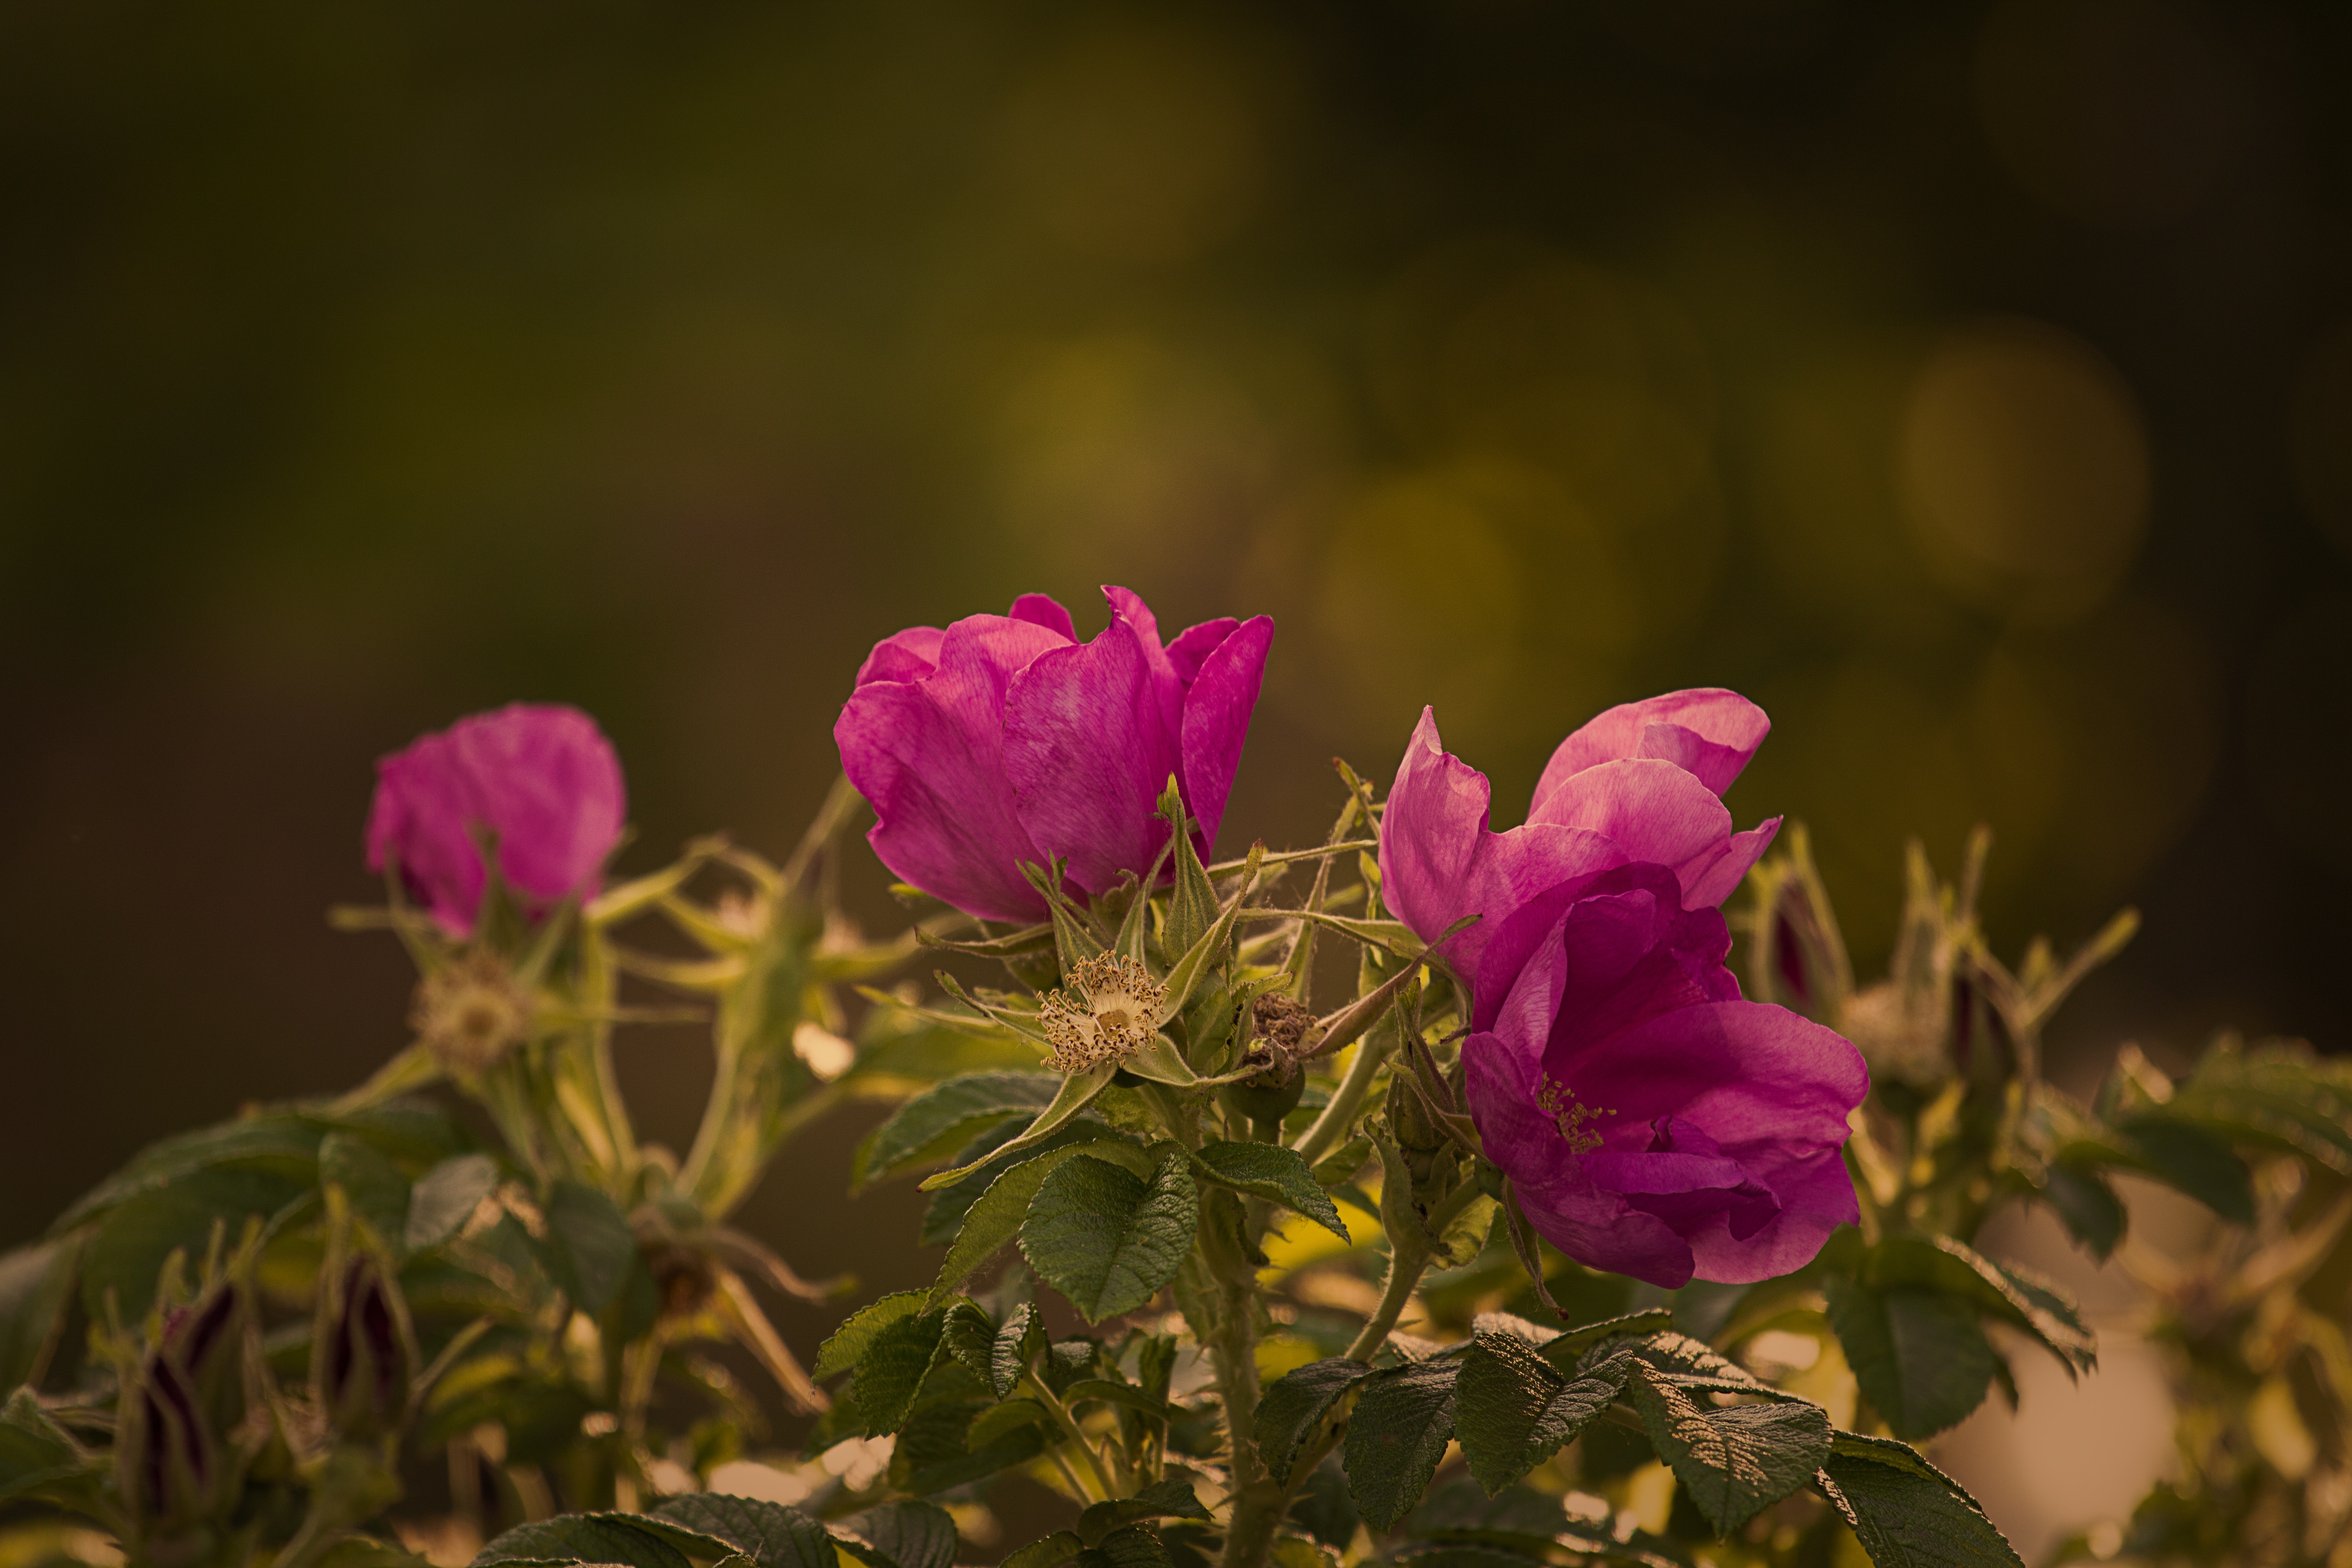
pixel 1231 1344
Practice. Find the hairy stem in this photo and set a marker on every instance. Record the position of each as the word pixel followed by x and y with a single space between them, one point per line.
pixel 1070 1424
pixel 1257 1501
pixel 1408 1260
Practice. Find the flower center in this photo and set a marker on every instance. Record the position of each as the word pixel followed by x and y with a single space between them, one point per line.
pixel 1573 1118
pixel 1109 1007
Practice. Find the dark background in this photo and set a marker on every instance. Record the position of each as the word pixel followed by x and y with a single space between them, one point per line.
pixel 1970 386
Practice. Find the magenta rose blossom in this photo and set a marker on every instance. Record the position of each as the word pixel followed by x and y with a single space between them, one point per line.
pixel 1652 1122
pixel 542 780
pixel 1004 739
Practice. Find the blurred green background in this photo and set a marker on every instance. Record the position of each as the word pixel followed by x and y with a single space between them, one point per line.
pixel 1971 386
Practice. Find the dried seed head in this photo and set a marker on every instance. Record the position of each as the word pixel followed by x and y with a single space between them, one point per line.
pixel 1111 1006
pixel 470 1012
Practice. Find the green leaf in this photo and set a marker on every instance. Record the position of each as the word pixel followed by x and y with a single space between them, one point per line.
pixel 848 1343
pixel 1576 1340
pixel 1019 1343
pixel 1514 1409
pixel 1271 1172
pixel 908 1534
pixel 2088 1204
pixel 274 1144
pixel 891 1370
pixel 127 1250
pixel 997 1420
pixel 996 1217
pixel 445 1197
pixel 939 1119
pixel 1209 951
pixel 943 1215
pixel 769 1533
pixel 1905 1511
pixel 589 1247
pixel 1051 1552
pixel 1192 902
pixel 1107 1240
pixel 2194 1160
pixel 2281 1095
pixel 1733 1462
pixel 1952 1266
pixel 36 1283
pixel 1294 1406
pixel 36 1453
pixel 1168 1498
pixel 968 1337
pixel 1919 1355
pixel 1402 1422
pixel 377 1191
pixel 1076 1092
pixel 1137 1546
pixel 585 1538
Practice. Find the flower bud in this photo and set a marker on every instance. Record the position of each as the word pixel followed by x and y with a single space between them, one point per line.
pixel 361 1363
pixel 176 1450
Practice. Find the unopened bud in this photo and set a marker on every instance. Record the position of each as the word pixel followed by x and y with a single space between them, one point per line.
pixel 177 1451
pixel 362 1365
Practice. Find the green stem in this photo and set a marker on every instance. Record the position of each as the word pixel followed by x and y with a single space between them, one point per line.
pixel 1407 1264
pixel 1349 1098
pixel 1069 1424
pixel 1233 1348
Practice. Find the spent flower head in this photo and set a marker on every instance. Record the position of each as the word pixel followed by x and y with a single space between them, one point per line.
pixel 1110 1008
pixel 470 1012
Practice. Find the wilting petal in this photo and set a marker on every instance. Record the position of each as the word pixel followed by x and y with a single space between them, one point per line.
pixel 1746 1072
pixel 1088 747
pixel 1047 611
pixel 929 755
pixel 909 655
pixel 1708 732
pixel 1217 715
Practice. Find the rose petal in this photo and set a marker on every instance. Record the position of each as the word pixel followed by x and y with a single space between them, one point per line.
pixel 1749 1073
pixel 1707 730
pixel 1650 810
pixel 1216 717
pixel 1709 878
pixel 1816 1196
pixel 1088 747
pixel 1127 606
pixel 909 655
pixel 1194 644
pixel 929 756
pixel 1043 610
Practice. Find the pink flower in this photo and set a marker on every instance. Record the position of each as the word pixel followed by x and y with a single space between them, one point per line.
pixel 1640 783
pixel 1004 739
pixel 1652 1122
pixel 541 780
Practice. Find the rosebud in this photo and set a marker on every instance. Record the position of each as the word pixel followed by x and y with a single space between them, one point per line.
pixel 176 1452
pixel 362 1362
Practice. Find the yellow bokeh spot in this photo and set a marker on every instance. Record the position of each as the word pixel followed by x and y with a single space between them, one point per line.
pixel 1298 1241
pixel 2023 470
